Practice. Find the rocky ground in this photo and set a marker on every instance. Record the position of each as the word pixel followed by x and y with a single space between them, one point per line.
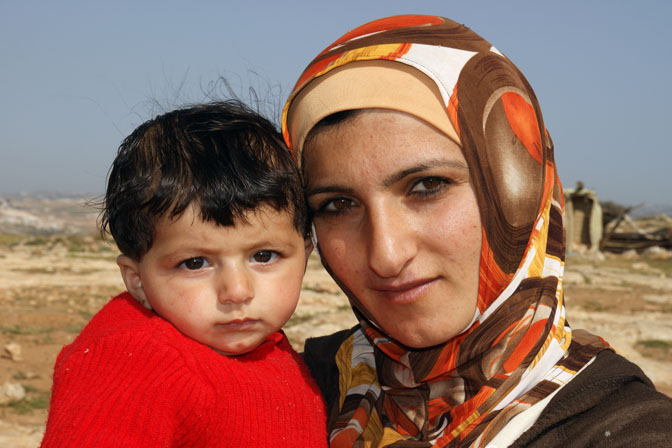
pixel 50 286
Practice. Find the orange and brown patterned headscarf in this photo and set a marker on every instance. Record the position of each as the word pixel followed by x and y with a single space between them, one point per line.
pixel 519 348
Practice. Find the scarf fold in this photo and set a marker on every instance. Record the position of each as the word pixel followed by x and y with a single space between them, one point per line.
pixel 519 347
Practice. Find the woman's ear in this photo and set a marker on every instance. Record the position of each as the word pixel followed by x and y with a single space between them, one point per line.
pixel 130 272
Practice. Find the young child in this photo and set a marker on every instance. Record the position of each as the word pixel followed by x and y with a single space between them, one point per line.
pixel 205 205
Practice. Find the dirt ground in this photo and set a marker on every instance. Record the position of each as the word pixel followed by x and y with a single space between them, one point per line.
pixel 51 286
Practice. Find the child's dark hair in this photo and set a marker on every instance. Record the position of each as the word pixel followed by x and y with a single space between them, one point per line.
pixel 222 157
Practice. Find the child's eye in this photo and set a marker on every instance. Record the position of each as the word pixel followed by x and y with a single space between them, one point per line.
pixel 195 263
pixel 428 186
pixel 264 256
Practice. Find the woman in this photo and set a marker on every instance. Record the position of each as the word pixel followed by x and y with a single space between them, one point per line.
pixel 437 208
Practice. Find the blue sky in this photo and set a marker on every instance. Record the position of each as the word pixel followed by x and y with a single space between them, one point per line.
pixel 77 77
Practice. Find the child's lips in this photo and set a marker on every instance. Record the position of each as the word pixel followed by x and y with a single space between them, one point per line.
pixel 238 324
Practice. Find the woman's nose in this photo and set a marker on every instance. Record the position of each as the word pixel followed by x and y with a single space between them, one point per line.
pixel 234 286
pixel 390 241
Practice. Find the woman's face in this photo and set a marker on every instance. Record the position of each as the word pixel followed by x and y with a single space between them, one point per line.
pixel 397 222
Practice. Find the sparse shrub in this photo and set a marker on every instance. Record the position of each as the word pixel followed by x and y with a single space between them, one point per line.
pixel 655 344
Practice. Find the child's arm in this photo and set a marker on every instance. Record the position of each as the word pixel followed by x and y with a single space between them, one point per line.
pixel 124 390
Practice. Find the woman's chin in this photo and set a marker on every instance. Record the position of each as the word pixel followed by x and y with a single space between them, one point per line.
pixel 415 339
pixel 425 328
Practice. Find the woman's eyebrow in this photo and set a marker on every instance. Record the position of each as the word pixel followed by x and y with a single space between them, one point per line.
pixel 329 189
pixel 430 164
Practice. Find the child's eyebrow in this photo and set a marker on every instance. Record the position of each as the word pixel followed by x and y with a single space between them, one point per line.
pixel 185 251
pixel 182 253
pixel 280 243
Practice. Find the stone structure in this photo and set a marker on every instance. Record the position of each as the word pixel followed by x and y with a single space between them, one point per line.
pixel 583 217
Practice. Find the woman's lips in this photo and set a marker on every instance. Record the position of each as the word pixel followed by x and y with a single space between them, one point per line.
pixel 404 292
pixel 238 324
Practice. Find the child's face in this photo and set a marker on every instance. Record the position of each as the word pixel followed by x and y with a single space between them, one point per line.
pixel 226 287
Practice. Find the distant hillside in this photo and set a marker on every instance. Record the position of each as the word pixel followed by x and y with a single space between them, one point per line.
pixel 46 214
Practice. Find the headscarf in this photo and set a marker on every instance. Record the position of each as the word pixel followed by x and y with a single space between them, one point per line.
pixel 519 347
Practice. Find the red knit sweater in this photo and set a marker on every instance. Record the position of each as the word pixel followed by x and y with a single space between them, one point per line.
pixel 131 379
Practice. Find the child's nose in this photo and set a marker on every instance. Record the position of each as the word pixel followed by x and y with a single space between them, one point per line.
pixel 235 286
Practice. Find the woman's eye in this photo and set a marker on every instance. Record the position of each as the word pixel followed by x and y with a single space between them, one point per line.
pixel 195 263
pixel 430 185
pixel 264 256
pixel 337 205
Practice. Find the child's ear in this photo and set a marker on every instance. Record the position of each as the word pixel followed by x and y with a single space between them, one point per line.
pixel 130 272
pixel 308 244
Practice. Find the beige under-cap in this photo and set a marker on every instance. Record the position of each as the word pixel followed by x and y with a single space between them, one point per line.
pixel 367 85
